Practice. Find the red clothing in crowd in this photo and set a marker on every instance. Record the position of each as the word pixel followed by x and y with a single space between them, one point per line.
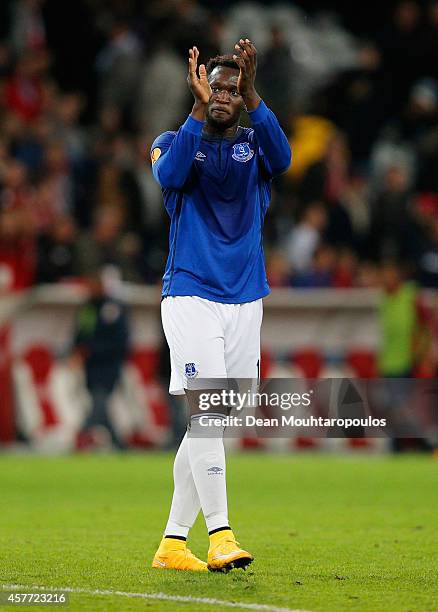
pixel 24 96
pixel 17 264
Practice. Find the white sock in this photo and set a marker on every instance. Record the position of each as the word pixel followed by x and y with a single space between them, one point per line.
pixel 207 460
pixel 185 502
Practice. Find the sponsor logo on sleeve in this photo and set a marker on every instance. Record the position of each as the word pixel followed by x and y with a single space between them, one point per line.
pixel 155 154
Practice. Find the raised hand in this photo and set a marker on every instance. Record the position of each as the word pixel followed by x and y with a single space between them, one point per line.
pixel 246 59
pixel 198 84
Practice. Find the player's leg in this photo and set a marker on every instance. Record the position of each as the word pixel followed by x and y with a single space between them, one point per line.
pixel 198 343
pixel 207 459
pixel 185 505
pixel 242 349
pixel 201 357
pixel 242 358
pixel 173 552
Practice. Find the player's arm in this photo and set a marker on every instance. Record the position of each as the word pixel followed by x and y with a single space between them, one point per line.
pixel 270 136
pixel 172 157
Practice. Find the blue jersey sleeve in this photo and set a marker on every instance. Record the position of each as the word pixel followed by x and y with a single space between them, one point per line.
pixel 272 140
pixel 172 154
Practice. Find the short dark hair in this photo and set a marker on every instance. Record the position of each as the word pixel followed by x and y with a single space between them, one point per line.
pixel 221 60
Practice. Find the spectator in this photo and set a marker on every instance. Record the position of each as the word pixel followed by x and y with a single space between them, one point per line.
pixel 24 95
pixel 107 244
pixel 354 102
pixel 168 73
pixel 16 193
pixel 100 345
pixel 427 271
pixel 401 46
pixel 277 269
pixel 28 32
pixel 56 251
pixel 368 275
pixel 355 201
pixel 392 224
pixel 305 237
pixel 339 231
pixel 320 274
pixel 401 318
pixel 66 126
pixel 276 62
pixel 429 38
pixel 419 125
pixel 17 251
pixel 345 272
pixel 405 343
pixel 118 66
pixel 328 179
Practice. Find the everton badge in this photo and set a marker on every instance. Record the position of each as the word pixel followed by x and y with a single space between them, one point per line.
pixel 190 370
pixel 242 152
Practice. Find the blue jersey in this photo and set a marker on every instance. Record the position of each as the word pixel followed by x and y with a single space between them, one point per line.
pixel 217 191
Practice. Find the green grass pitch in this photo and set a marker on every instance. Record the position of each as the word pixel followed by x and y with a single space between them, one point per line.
pixel 328 533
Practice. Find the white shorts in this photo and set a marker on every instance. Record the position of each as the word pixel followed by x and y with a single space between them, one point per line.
pixel 211 340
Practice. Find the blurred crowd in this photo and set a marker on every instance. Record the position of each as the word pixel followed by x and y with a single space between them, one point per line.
pixel 85 87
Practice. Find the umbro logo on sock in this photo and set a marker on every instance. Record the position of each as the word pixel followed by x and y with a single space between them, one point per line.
pixel 214 470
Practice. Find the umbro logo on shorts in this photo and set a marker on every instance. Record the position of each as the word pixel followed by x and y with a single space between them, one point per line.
pixel 190 370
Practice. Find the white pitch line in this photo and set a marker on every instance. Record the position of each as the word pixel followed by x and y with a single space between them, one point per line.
pixel 160 596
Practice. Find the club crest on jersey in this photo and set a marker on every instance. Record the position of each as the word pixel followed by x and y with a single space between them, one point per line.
pixel 190 370
pixel 242 152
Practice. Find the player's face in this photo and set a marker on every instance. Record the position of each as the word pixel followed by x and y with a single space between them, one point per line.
pixel 225 103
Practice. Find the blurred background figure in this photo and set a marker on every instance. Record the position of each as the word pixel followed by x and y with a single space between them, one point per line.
pixel 100 346
pixel 402 321
pixel 56 251
pixel 118 67
pixel 305 237
pixel 275 63
pixel 107 244
pixel 17 251
pixel 406 346
pixel 392 231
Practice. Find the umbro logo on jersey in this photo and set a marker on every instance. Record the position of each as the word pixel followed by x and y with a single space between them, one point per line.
pixel 242 152
pixel 200 156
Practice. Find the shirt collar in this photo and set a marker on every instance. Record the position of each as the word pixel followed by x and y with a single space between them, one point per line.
pixel 215 137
